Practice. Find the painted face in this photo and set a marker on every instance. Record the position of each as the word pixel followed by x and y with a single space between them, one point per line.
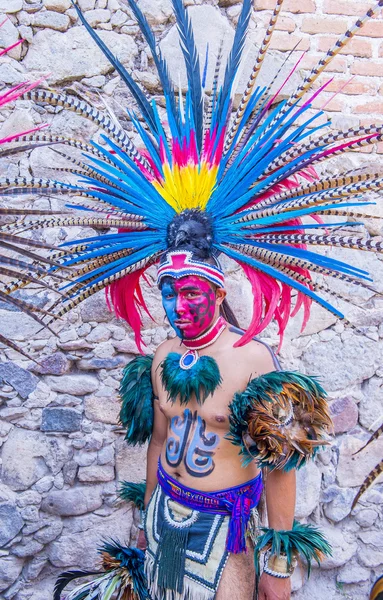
pixel 189 304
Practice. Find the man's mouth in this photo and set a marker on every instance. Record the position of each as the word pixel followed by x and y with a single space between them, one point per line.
pixel 181 323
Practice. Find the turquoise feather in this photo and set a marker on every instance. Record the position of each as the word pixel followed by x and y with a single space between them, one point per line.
pixel 200 381
pixel 136 394
pixel 133 492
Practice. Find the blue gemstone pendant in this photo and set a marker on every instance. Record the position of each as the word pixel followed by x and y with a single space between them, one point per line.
pixel 189 359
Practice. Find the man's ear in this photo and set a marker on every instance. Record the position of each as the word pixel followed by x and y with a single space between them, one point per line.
pixel 220 295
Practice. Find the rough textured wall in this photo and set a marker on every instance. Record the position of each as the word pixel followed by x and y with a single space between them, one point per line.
pixel 62 450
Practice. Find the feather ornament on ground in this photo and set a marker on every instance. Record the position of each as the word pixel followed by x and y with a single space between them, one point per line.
pixel 250 173
pixel 280 420
pixel 123 577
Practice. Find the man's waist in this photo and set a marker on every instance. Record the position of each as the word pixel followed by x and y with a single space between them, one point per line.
pixel 217 501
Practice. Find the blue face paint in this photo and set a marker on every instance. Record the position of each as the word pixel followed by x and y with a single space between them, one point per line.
pixel 169 302
pixel 191 444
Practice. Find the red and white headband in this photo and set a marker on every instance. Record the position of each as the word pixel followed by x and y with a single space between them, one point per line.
pixel 181 264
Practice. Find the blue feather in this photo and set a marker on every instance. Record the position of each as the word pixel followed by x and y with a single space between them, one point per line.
pixel 191 58
pixel 137 93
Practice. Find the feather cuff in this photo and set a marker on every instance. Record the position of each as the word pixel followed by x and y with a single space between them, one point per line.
pixel 281 420
pixel 304 540
pixel 136 395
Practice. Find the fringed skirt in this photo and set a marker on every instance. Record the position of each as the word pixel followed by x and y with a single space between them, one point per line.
pixel 186 549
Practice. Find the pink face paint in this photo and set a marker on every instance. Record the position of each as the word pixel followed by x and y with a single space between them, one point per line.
pixel 190 305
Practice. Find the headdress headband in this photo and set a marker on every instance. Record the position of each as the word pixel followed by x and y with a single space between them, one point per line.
pixel 180 264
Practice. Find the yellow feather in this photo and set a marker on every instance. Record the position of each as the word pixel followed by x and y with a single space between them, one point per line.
pixel 187 187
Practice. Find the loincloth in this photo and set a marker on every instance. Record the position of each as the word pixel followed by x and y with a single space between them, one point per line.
pixel 190 536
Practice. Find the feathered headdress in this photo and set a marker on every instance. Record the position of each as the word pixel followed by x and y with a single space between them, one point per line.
pixel 249 172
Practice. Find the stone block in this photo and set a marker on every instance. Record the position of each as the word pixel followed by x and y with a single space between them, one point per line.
pixel 105 410
pixel 49 532
pixel 343 549
pixel 74 501
pixel 371 404
pixel 10 6
pixel 79 542
pixel 308 490
pixel 353 469
pixel 96 473
pixel 76 385
pixel 352 573
pixel 340 507
pixel 51 19
pixel 23 456
pixel 29 547
pixel 10 569
pixel 21 380
pixel 344 414
pixel 61 419
pixel 11 522
pixel 58 5
pixel 338 363
pixel 54 364
pixel 79 57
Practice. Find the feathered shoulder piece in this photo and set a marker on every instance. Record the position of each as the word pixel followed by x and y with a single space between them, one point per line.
pixel 281 419
pixel 136 395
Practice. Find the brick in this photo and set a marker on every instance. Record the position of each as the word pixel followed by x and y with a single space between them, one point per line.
pixel 369 108
pixel 379 148
pixel 285 24
pixel 286 41
pixel 337 65
pixel 372 29
pixel 323 25
pixel 335 105
pixel 355 47
pixel 346 7
pixel 368 68
pixel 294 6
pixel 353 87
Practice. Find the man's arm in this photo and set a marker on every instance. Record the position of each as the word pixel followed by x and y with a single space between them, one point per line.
pixel 280 502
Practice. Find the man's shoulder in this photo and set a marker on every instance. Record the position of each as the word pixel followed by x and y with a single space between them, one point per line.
pixel 163 350
pixel 258 357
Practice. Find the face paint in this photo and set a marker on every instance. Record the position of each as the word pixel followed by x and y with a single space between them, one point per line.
pixel 189 304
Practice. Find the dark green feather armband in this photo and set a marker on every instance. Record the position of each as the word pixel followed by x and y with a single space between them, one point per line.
pixel 280 420
pixel 133 492
pixel 305 541
pixel 136 394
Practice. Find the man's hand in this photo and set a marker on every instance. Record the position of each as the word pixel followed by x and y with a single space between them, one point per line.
pixel 272 588
pixel 141 540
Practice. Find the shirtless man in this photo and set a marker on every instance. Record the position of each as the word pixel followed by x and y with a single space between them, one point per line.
pixel 190 439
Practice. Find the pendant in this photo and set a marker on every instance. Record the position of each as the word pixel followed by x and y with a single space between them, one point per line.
pixel 189 359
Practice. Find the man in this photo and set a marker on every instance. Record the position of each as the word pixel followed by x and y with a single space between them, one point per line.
pixel 206 460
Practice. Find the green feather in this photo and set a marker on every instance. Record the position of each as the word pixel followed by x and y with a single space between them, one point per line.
pixel 305 540
pixel 199 381
pixel 136 394
pixel 133 492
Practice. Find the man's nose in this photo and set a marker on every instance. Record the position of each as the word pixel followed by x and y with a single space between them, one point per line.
pixel 180 309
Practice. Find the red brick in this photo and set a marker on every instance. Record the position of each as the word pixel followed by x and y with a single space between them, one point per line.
pixel 373 28
pixel 294 6
pixel 323 25
pixel 367 67
pixel 369 108
pixel 353 87
pixel 287 41
pixel 335 105
pixel 346 7
pixel 285 24
pixel 337 65
pixel 355 47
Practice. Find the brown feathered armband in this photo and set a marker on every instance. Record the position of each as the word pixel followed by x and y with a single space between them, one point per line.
pixel 280 420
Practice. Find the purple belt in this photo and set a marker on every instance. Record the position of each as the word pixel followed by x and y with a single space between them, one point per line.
pixel 236 502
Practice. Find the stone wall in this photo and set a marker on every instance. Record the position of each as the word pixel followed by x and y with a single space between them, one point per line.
pixel 62 450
